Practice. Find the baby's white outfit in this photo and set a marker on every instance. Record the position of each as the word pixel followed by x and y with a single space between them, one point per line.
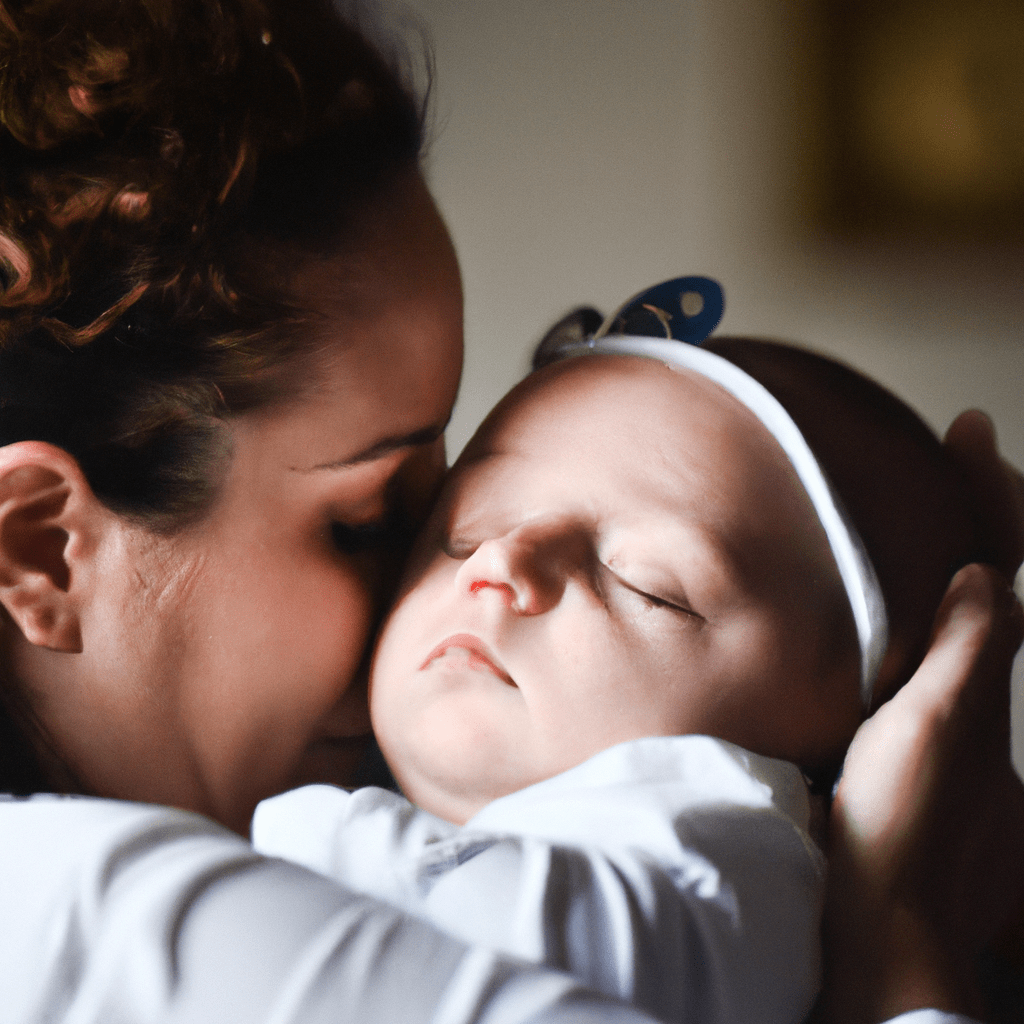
pixel 677 873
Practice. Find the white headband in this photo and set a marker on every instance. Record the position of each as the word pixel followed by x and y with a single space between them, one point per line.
pixel 855 569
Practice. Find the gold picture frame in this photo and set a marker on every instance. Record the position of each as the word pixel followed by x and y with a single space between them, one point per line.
pixel 924 117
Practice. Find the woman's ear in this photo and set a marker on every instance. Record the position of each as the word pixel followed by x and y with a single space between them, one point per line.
pixel 48 521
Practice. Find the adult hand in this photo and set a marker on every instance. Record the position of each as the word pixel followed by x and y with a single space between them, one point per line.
pixel 998 489
pixel 926 836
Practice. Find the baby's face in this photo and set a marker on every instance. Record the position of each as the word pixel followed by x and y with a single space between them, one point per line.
pixel 622 551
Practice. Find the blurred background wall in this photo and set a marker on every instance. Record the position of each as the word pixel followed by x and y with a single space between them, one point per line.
pixel 854 185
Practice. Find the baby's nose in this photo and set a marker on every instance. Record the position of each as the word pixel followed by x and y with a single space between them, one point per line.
pixel 527 567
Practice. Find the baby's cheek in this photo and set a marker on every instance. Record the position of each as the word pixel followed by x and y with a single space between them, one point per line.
pixel 424 565
pixel 401 647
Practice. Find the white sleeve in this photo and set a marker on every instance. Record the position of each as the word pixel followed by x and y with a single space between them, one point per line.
pixel 370 840
pixel 675 873
pixel 116 912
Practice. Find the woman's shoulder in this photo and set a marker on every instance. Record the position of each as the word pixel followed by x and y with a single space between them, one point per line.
pixel 79 878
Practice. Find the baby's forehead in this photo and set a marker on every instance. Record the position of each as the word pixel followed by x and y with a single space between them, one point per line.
pixel 664 437
pixel 584 397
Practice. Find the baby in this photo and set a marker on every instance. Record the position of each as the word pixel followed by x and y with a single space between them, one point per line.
pixel 637 621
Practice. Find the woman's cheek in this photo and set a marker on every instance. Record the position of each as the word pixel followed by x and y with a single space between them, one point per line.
pixel 341 622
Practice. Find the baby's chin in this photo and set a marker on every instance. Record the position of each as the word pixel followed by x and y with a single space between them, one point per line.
pixel 437 785
pixel 444 801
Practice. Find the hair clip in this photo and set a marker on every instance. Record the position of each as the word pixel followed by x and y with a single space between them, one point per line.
pixel 684 308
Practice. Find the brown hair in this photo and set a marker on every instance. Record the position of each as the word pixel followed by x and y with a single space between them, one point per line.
pixel 157 159
pixel 162 162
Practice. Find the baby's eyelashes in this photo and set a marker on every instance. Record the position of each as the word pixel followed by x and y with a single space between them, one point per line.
pixel 601 578
pixel 671 603
pixel 662 602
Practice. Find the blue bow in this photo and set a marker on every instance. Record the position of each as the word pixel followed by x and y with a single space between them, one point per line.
pixel 685 308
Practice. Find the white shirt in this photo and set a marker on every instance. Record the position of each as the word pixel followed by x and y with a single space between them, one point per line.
pixel 676 873
pixel 118 913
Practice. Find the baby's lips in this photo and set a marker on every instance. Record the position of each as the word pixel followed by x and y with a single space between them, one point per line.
pixel 475 648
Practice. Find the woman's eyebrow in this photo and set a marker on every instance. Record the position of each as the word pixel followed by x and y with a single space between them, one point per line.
pixel 385 446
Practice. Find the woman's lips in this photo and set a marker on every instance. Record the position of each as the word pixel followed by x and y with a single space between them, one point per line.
pixel 474 653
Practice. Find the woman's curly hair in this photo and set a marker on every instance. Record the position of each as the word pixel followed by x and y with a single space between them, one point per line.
pixel 161 163
pixel 154 155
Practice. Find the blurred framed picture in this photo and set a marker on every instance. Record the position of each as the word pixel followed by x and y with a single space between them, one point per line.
pixel 924 115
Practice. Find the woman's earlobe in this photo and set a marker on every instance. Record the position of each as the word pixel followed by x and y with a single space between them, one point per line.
pixel 46 509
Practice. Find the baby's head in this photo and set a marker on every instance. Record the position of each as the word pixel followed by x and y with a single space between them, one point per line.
pixel 624 550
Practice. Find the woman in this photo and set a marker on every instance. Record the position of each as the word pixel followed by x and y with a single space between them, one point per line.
pixel 231 341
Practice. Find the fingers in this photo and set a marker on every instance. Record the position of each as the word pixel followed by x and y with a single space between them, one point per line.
pixel 998 488
pixel 978 629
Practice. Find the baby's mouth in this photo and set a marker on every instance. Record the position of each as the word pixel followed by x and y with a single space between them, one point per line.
pixel 464 649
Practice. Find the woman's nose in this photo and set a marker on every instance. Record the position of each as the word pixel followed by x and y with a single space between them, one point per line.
pixel 527 568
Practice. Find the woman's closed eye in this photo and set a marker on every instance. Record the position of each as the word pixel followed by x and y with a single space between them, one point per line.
pixel 391 531
pixel 353 539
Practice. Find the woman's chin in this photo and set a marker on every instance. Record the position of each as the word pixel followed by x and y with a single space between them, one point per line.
pixel 333 760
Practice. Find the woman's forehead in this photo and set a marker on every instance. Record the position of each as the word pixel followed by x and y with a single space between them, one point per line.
pixel 384 354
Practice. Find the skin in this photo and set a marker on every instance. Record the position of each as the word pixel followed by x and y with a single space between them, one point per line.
pixel 912 902
pixel 212 668
pixel 585 580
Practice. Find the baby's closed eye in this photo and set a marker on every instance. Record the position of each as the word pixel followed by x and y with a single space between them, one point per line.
pixel 653 594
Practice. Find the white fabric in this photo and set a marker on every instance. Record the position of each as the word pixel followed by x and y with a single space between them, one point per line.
pixel 117 913
pixel 858 575
pixel 674 872
pixel 931 1017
